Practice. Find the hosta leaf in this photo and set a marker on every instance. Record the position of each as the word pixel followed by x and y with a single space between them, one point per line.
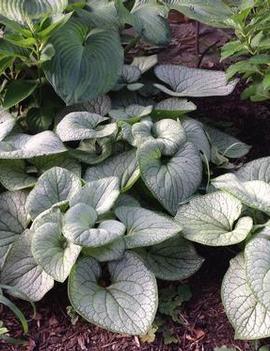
pixel 145 227
pixel 210 220
pixel 185 81
pixel 258 266
pixel 13 220
pixel 145 63
pixel 54 187
pixel 254 193
pixel 170 179
pixel 23 146
pixel 24 10
pixel 84 125
pixel 255 170
pixel 7 122
pixel 150 21
pixel 127 306
pixel 79 222
pixel 123 166
pixel 22 272
pixel 173 108
pixel 212 12
pixel 250 319
pixel 110 252
pixel 86 64
pixel 227 145
pixel 53 252
pixel 174 259
pixel 14 176
pixel 100 194
pixel 196 135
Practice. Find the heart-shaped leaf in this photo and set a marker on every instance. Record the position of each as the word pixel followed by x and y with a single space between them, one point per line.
pixel 53 252
pixel 145 227
pixel 170 179
pixel 14 176
pixel 24 10
pixel 84 125
pixel 13 220
pixel 79 227
pixel 211 220
pixel 23 273
pixel 250 319
pixel 87 63
pixel 173 108
pixel 123 166
pixel 99 194
pixel 126 306
pixel 185 81
pixel 7 122
pixel 173 259
pixel 23 146
pixel 254 193
pixel 109 252
pixel 255 170
pixel 54 187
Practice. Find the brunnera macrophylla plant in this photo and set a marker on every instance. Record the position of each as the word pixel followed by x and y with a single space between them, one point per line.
pixel 237 211
pixel 67 214
pixel 109 251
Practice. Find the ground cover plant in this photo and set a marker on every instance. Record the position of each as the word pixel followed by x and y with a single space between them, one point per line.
pixel 106 180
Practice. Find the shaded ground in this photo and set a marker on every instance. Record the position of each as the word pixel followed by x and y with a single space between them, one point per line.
pixel 205 324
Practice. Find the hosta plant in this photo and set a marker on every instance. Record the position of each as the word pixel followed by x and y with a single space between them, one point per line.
pixel 237 211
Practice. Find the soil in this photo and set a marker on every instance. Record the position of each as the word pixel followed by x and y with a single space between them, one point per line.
pixel 205 323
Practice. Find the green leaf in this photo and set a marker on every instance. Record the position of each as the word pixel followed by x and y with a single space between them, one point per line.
pixel 24 146
pixel 212 12
pixel 185 81
pixel 250 319
pixel 87 62
pixel 150 21
pixel 18 313
pixel 211 220
pixel 173 179
pixel 10 50
pixel 17 91
pixel 13 220
pixel 126 306
pixel 39 119
pixel 22 11
pixel 7 122
pixel 255 170
pixel 84 125
pixel 78 227
pixel 54 187
pixel 53 252
pixel 172 108
pixel 123 166
pixel 100 194
pixel 145 227
pixel 22 272
pixel 226 144
pixel 14 176
pixel 173 259
pixel 258 265
pixel 254 193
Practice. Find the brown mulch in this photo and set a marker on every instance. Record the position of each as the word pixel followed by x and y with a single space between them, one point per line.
pixel 205 324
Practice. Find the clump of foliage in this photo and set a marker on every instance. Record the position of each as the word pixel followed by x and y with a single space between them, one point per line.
pixel 75 164
pixel 251 48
